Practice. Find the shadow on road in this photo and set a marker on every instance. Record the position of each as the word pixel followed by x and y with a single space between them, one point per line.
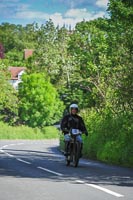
pixel 52 159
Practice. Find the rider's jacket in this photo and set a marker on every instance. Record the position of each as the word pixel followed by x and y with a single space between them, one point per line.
pixel 73 122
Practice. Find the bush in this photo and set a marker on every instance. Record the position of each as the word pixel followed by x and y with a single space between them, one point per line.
pixel 110 138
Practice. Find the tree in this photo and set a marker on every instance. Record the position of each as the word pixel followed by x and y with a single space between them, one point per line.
pixel 8 97
pixel 50 54
pixel 121 10
pixel 89 46
pixel 120 53
pixel 1 51
pixel 39 103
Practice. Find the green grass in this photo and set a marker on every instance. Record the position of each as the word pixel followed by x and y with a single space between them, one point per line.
pixel 62 144
pixel 24 132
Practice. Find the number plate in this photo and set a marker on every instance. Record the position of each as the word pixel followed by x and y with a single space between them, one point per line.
pixel 75 131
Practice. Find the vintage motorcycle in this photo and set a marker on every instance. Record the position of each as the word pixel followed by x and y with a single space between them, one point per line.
pixel 74 148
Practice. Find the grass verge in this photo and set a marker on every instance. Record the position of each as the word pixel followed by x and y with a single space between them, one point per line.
pixel 24 132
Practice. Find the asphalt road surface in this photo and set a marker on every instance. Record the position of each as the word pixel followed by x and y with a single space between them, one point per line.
pixel 36 170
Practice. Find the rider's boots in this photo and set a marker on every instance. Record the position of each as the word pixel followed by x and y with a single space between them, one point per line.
pixel 81 147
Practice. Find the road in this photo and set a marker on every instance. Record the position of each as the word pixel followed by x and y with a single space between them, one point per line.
pixel 35 170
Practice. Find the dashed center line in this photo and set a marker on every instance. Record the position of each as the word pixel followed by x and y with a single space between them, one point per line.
pixel 23 161
pixel 47 170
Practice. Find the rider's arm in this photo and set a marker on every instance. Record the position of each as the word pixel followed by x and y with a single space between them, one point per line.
pixel 64 125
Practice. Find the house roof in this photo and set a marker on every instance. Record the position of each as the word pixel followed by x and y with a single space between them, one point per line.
pixel 28 53
pixel 15 71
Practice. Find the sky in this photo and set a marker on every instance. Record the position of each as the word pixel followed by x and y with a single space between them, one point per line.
pixel 68 12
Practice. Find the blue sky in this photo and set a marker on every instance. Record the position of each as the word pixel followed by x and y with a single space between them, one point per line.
pixel 61 12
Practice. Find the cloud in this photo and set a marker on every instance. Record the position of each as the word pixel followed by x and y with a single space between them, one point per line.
pixel 30 15
pixel 8 8
pixel 73 16
pixel 102 3
pixel 80 14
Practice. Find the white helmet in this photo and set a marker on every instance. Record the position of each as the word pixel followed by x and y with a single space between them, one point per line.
pixel 74 106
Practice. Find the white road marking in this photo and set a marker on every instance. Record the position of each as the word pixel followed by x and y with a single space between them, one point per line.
pixel 23 161
pixel 2 150
pixel 5 146
pixel 101 188
pixel 47 170
pixel 10 155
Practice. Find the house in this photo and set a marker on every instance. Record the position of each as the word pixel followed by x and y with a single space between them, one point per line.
pixel 16 73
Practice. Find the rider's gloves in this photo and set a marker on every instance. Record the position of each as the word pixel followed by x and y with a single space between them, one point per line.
pixel 65 131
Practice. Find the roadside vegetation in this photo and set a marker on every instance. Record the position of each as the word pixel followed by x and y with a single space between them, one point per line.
pixel 25 132
pixel 110 138
pixel 90 65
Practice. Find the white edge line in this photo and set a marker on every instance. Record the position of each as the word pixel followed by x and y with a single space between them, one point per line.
pixel 101 188
pixel 10 155
pixel 106 190
pixel 53 172
pixel 3 151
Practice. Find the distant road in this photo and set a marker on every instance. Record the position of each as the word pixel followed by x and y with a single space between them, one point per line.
pixel 35 170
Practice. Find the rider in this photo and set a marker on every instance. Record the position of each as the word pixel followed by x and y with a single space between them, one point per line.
pixel 72 121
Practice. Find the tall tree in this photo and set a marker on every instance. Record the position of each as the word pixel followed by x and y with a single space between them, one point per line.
pixel 51 54
pixel 121 51
pixel 89 47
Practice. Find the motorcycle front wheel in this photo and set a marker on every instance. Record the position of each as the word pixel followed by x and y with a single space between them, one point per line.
pixel 76 154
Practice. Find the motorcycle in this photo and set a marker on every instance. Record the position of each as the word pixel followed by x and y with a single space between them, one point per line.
pixel 74 148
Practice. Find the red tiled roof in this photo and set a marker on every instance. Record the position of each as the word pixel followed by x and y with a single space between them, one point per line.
pixel 15 71
pixel 28 53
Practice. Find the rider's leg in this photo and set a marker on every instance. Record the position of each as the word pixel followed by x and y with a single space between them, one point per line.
pixel 79 139
pixel 67 143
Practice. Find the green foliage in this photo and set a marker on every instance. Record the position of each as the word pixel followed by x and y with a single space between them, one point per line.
pixel 62 143
pixel 8 97
pixel 121 10
pixel 120 54
pixel 17 37
pixel 16 58
pixel 39 103
pixel 25 132
pixel 89 46
pixel 110 137
pixel 50 54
